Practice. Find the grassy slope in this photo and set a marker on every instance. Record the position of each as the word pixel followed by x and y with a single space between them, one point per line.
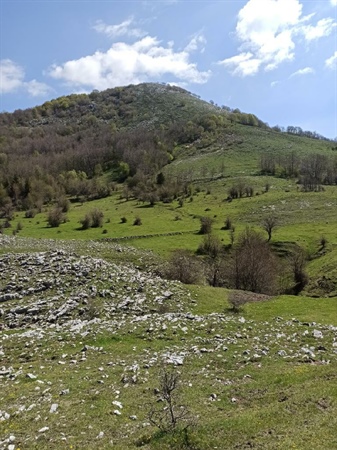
pixel 304 218
pixel 280 402
pixel 263 399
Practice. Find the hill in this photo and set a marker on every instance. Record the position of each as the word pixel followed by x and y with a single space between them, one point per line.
pixel 107 200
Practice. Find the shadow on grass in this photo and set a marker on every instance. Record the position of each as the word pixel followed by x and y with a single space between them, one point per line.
pixel 144 206
pixel 175 439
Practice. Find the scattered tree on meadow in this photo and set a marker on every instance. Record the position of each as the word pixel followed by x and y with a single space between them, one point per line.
pixel 269 223
pixel 168 413
pixel 253 266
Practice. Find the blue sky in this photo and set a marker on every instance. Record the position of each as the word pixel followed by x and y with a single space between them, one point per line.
pixel 274 58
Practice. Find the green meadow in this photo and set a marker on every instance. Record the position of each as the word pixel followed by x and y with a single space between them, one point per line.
pixel 263 377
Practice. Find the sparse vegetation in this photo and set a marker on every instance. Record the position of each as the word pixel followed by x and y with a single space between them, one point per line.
pixel 205 225
pixel 55 217
pixel 167 413
pixel 107 322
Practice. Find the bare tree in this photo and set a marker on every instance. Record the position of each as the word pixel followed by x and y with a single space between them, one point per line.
pixel 185 267
pixel 297 263
pixel 171 414
pixel 269 223
pixel 253 266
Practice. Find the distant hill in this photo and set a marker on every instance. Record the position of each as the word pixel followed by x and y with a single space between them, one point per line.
pixel 147 105
pixel 123 132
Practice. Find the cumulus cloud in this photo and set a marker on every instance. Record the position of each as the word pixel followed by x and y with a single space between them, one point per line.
pixel 305 71
pixel 12 79
pixel 125 63
pixel 331 63
pixel 266 30
pixel 333 2
pixel 125 28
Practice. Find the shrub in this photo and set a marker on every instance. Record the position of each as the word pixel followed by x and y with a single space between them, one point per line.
pixel 55 217
pixel 228 224
pixel 30 213
pixel 86 222
pixel 185 267
pixel 233 192
pixel 124 219
pixel 64 204
pixel 96 218
pixel 168 413
pixel 93 219
pixel 237 300
pixel 137 221
pixel 323 241
pixel 253 266
pixel 205 225
pixel 211 246
pixel 297 264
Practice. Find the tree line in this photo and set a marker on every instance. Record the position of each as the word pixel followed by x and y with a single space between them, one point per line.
pixel 312 171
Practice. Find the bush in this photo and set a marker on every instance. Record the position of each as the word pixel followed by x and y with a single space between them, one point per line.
pixel 297 263
pixel 211 246
pixel 137 221
pixel 64 204
pixel 86 222
pixel 124 219
pixel 253 266
pixel 55 217
pixel 96 218
pixel 185 267
pixel 93 219
pixel 323 241
pixel 205 225
pixel 237 300
pixel 228 224
pixel 30 213
pixel 169 413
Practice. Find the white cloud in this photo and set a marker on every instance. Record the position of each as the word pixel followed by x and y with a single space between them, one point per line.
pixel 125 64
pixel 323 28
pixel 333 2
pixel 305 71
pixel 123 29
pixel 36 89
pixel 243 64
pixel 274 83
pixel 12 77
pixel 266 31
pixel 195 43
pixel 331 63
